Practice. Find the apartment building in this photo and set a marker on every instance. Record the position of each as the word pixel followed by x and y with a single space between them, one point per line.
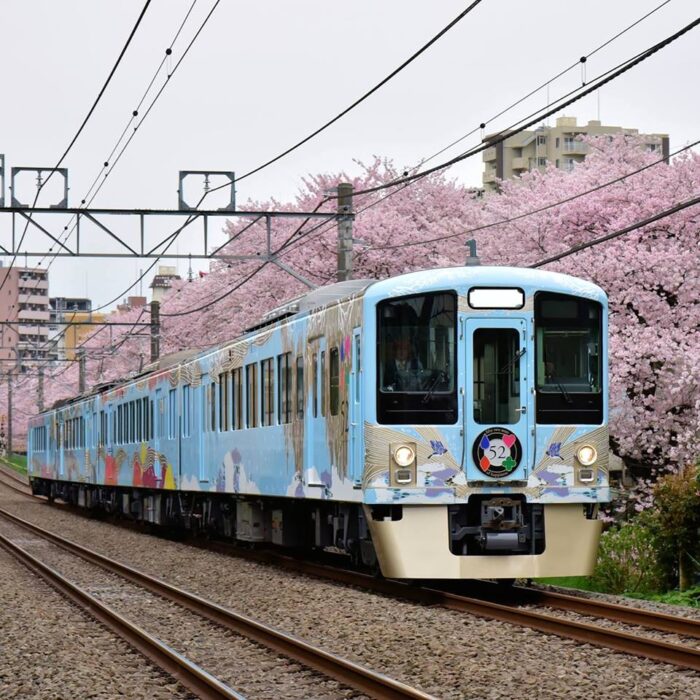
pixel 560 145
pixel 24 314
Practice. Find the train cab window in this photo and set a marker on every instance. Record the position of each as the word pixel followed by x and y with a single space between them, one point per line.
pixel 251 395
pixel 284 388
pixel 417 359
pixel 300 387
pixel 496 369
pixel 334 380
pixel 568 360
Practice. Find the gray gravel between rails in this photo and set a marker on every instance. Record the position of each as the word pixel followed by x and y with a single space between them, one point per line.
pixel 51 649
pixel 446 653
pixel 251 669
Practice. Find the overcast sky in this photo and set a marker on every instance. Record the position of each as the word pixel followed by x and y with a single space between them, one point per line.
pixel 264 74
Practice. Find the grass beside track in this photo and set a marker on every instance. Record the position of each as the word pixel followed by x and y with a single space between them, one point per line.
pixel 689 598
pixel 16 462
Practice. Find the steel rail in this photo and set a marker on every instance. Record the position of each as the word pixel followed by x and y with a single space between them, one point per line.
pixel 645 647
pixel 663 622
pixel 196 679
pixel 348 672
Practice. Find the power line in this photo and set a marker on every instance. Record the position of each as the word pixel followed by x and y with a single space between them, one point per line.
pixel 539 210
pixel 501 136
pixel 367 94
pixel 80 128
pixel 616 234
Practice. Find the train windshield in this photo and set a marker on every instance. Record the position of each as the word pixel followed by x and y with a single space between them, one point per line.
pixel 416 361
pixel 569 361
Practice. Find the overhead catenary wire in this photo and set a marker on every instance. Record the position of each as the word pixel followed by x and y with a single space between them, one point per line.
pixel 152 104
pixel 620 232
pixel 80 129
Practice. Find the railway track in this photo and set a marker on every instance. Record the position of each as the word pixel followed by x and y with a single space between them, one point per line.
pixel 491 603
pixel 14 481
pixel 192 676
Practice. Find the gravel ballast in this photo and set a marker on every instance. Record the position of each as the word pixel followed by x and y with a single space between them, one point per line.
pixel 51 649
pixel 445 653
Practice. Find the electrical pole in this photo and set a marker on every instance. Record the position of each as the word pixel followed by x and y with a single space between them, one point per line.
pixel 41 388
pixel 155 330
pixel 9 413
pixel 81 371
pixel 345 220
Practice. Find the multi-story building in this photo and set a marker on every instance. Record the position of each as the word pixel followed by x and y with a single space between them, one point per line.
pixel 24 314
pixel 61 309
pixel 558 145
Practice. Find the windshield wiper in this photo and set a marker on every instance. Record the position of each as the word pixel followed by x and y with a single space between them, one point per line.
pixel 440 376
pixel 564 392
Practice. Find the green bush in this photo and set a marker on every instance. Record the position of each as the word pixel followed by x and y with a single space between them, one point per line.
pixel 628 559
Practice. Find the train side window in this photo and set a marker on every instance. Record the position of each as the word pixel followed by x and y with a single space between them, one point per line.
pixel 268 391
pixel 314 387
pixel 237 399
pixel 334 380
pixel 151 430
pixel 284 389
pixel 212 407
pixel 223 401
pixel 251 395
pixel 300 387
pixel 322 372
pixel 358 366
pixel 132 421
pixel 172 414
pixel 186 410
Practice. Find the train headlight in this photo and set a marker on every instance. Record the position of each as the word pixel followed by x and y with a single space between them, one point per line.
pixel 587 455
pixel 404 455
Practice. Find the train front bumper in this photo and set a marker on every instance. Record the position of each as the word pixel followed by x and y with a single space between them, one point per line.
pixel 417 546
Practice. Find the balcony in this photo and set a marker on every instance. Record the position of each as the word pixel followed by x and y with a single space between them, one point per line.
pixel 489 154
pixel 33 283
pixel 33 330
pixel 488 177
pixel 521 164
pixel 574 148
pixel 28 315
pixel 25 298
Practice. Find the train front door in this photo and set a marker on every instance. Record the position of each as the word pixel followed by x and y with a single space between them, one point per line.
pixel 499 405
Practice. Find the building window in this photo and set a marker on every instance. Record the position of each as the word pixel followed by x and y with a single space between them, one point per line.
pixel 542 162
pixel 556 142
pixel 541 140
pixel 268 391
pixel 251 396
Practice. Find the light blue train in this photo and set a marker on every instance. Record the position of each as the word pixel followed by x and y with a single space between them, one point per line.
pixel 446 424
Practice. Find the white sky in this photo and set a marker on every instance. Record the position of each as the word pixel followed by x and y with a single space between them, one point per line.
pixel 264 74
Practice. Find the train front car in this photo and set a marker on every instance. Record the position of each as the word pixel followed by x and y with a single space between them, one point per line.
pixel 485 423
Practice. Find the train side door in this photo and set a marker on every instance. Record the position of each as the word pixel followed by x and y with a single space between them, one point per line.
pixel 317 460
pixel 355 402
pixel 498 407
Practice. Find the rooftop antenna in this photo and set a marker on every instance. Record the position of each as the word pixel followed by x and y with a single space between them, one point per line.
pixel 472 258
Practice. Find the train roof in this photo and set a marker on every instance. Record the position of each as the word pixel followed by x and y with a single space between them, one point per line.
pixel 461 278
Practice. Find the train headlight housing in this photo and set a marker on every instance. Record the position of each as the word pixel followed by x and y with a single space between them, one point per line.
pixel 587 455
pixel 404 455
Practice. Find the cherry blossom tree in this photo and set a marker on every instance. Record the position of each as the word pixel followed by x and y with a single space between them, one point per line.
pixel 649 275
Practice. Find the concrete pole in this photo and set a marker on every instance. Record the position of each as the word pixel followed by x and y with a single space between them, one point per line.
pixel 155 330
pixel 9 413
pixel 345 223
pixel 81 371
pixel 41 389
